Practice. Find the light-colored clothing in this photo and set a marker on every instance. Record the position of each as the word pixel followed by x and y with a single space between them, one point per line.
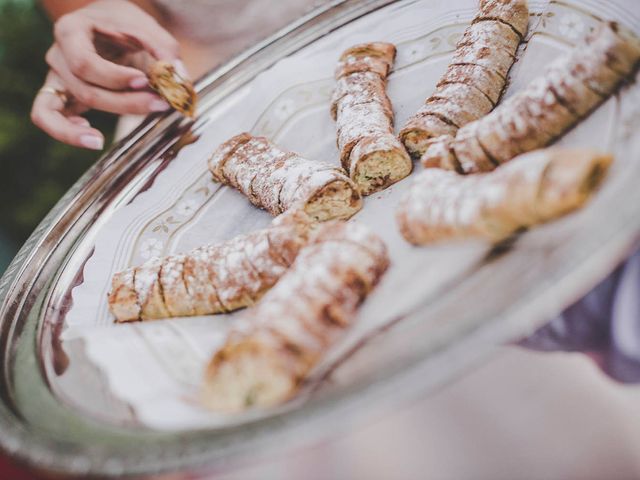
pixel 235 23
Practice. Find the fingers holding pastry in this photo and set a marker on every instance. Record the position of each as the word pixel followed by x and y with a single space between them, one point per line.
pixel 94 52
pixel 74 40
pixel 129 26
pixel 92 96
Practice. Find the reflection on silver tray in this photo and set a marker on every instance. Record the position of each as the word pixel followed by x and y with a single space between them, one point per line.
pixel 59 407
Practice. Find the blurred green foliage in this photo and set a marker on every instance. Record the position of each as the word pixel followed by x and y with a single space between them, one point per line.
pixel 35 169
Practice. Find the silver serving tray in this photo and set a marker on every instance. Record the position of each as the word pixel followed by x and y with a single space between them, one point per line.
pixel 512 291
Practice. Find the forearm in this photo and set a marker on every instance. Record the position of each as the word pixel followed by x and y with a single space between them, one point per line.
pixel 57 8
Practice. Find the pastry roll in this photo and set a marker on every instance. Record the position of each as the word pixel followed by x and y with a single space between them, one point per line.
pixel 358 88
pixel 177 90
pixel 535 188
pixel 569 89
pixel 369 151
pixel 440 153
pixel 275 180
pixel 210 279
pixel 171 84
pixel 448 152
pixel 475 79
pixel 274 346
pixel 375 57
pixel 514 14
pixel 486 81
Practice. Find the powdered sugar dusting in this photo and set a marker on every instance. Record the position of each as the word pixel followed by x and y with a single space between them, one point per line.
pixel 512 12
pixel 362 109
pixel 270 176
pixel 145 278
pixel 551 104
pixel 442 205
pixel 473 82
pixel 219 277
pixel 357 121
pixel 493 33
pixel 312 303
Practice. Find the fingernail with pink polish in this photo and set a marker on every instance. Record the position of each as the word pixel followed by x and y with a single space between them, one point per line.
pixel 92 141
pixel 180 68
pixel 158 105
pixel 138 83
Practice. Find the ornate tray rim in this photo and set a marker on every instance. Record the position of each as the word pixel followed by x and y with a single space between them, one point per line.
pixel 26 282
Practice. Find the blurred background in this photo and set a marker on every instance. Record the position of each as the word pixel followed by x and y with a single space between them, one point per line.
pixel 36 170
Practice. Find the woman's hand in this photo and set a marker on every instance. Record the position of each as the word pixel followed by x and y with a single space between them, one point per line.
pixel 81 79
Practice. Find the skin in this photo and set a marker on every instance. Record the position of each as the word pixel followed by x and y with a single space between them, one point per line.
pixel 91 81
pixel 88 79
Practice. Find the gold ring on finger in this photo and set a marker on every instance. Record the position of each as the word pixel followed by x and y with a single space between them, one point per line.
pixel 61 94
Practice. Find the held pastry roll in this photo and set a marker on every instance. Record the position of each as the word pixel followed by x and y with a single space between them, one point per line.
pixel 210 279
pixel 568 90
pixel 369 151
pixel 276 180
pixel 275 345
pixel 171 84
pixel 475 79
pixel 177 90
pixel 535 188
